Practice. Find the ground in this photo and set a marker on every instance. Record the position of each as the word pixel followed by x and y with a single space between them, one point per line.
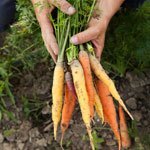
pixel 32 127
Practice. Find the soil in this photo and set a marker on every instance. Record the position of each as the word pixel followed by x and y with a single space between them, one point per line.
pixel 32 128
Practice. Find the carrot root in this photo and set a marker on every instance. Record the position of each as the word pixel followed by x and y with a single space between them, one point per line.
pixel 57 95
pixel 85 62
pixel 68 108
pixel 102 75
pixel 79 82
pixel 98 106
pixel 109 109
pixel 125 138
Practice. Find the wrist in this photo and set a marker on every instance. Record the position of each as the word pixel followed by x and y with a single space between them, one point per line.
pixel 42 12
pixel 105 21
pixel 108 8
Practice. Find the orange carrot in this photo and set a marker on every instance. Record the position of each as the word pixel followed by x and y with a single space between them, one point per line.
pixel 68 108
pixel 108 108
pixel 85 62
pixel 125 139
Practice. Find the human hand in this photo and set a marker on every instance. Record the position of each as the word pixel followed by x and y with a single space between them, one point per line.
pixel 45 24
pixel 104 10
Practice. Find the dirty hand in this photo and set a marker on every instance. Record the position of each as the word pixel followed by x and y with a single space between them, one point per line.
pixel 104 10
pixel 45 24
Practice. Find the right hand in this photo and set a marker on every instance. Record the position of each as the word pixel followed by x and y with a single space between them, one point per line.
pixel 45 24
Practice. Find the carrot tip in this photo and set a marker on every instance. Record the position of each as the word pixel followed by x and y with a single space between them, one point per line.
pixel 61 141
pixel 91 138
pixel 55 131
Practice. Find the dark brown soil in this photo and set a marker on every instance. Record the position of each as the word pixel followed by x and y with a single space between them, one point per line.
pixel 33 129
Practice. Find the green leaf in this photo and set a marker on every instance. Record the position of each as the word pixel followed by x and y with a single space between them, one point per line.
pixel 97 140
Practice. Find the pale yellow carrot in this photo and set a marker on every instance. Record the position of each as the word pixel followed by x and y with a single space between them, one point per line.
pixel 57 95
pixel 79 83
pixel 102 75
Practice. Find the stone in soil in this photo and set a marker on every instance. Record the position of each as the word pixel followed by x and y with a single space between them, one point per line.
pixel 41 86
pixel 34 132
pixel 109 136
pixel 104 134
pixel 7 146
pixel 137 115
pixel 145 122
pixel 110 142
pixel 143 109
pixel 22 136
pixel 20 146
pixel 46 110
pixel 131 103
pixel 41 142
pixel 49 138
pixel 22 133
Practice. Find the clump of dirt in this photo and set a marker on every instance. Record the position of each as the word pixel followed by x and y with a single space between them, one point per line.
pixel 32 128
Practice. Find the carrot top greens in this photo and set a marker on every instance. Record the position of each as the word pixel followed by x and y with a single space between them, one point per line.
pixel 66 26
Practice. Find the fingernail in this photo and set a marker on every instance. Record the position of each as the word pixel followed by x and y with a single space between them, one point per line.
pixel 74 40
pixel 71 10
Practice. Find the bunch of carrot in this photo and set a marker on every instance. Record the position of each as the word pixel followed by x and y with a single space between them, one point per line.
pixel 79 77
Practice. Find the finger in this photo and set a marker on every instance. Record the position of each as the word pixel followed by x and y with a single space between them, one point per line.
pixel 98 46
pixel 53 44
pixel 85 36
pixel 48 37
pixel 64 6
pixel 48 47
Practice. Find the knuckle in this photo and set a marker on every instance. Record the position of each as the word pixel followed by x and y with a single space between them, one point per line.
pixel 65 5
pixel 80 38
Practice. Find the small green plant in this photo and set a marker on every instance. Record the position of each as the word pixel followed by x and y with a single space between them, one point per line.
pixel 97 140
pixel 8 132
pixel 32 108
pixel 133 131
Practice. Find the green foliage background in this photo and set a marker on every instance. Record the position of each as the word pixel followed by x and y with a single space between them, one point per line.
pixel 127 45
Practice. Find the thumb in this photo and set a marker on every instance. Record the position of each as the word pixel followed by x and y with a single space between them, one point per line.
pixel 85 36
